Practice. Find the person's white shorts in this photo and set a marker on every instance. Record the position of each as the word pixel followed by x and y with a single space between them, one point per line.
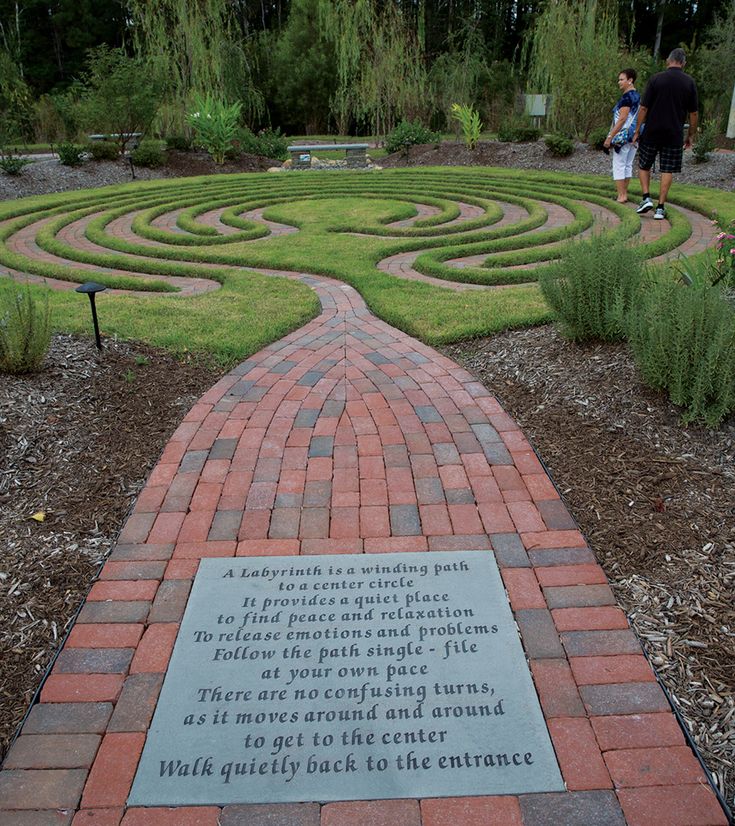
pixel 622 162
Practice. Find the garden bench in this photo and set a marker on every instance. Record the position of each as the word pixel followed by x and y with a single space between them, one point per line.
pixel 133 137
pixel 356 154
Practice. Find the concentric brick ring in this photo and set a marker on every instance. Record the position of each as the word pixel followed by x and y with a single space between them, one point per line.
pixel 470 229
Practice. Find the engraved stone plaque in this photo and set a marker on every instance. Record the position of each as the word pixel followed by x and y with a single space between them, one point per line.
pixel 346 677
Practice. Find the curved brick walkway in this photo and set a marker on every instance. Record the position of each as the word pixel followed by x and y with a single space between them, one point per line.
pixel 348 436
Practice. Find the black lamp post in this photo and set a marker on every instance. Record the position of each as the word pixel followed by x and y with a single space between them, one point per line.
pixel 91 288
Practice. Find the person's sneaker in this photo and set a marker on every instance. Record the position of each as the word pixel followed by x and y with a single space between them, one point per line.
pixel 659 214
pixel 646 205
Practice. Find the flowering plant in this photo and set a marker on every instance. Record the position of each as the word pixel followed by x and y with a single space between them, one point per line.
pixel 214 124
pixel 725 246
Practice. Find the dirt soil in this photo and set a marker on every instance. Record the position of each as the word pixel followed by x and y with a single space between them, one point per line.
pixel 654 499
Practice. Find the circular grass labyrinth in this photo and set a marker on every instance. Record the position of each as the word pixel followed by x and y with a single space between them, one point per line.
pixel 457 228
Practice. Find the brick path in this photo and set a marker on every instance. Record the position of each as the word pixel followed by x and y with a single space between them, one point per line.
pixel 345 437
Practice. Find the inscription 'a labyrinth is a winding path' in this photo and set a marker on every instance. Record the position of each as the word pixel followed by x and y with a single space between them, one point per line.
pixel 345 437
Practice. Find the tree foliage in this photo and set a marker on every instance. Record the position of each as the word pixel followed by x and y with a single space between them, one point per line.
pixel 714 66
pixel 114 100
pixel 573 55
pixel 360 65
pixel 192 47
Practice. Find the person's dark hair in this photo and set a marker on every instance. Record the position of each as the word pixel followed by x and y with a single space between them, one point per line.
pixel 631 74
pixel 677 56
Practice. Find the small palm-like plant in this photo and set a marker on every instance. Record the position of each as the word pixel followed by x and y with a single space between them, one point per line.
pixel 469 120
pixel 215 125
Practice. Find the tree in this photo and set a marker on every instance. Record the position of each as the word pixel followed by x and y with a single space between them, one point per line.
pixel 392 83
pixel 304 74
pixel 381 75
pixel 574 56
pixel 193 47
pixel 120 96
pixel 51 37
pixel 714 66
pixel 15 102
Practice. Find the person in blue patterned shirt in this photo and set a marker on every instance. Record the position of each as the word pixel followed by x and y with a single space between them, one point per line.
pixel 620 137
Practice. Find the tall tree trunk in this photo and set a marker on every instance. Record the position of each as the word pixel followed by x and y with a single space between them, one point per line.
pixel 19 51
pixel 659 30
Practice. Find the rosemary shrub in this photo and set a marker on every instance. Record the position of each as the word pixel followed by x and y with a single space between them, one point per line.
pixel 592 288
pixel 683 341
pixel 25 330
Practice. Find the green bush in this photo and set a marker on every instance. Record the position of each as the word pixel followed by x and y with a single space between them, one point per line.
pixel 149 153
pixel 178 142
pixel 269 143
pixel 409 134
pixel 592 288
pixel 597 137
pixel 705 143
pixel 514 131
pixel 104 151
pixel 70 154
pixel 559 145
pixel 683 341
pixel 25 331
pixel 215 125
pixel 12 164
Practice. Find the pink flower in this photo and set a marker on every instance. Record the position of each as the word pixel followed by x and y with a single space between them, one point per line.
pixel 732 251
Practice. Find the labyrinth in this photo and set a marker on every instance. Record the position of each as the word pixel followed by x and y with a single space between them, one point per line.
pixel 413 242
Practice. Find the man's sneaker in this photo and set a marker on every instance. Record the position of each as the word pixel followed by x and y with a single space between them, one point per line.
pixel 646 205
pixel 659 214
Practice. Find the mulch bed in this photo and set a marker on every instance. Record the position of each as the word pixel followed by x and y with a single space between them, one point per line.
pixel 78 440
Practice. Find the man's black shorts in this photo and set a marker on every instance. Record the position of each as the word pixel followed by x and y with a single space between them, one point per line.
pixel 669 157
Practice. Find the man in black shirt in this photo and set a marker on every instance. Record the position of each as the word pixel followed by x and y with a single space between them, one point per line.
pixel 669 98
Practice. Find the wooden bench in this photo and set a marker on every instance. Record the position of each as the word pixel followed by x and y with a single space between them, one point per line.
pixel 355 153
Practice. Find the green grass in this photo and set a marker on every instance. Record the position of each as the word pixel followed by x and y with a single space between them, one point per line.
pixel 343 219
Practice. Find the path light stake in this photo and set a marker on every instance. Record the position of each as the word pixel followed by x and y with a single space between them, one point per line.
pixel 91 288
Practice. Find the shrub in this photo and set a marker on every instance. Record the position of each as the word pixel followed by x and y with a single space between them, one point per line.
pixel 592 288
pixel 149 153
pixel 514 131
pixel 104 151
pixel 705 143
pixel 597 137
pixel 409 134
pixel 70 154
pixel 469 120
pixel 215 125
pixel 683 341
pixel 178 142
pixel 25 331
pixel 559 145
pixel 269 143
pixel 12 164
